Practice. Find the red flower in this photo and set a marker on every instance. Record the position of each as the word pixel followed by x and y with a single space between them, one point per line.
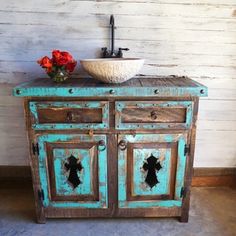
pixel 71 66
pixel 60 61
pixel 49 69
pixel 64 59
pixel 61 58
pixel 56 54
pixel 45 62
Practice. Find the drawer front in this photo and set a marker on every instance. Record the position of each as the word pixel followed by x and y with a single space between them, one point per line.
pixel 69 115
pixel 153 115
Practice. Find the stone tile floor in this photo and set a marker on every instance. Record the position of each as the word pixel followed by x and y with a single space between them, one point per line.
pixel 212 213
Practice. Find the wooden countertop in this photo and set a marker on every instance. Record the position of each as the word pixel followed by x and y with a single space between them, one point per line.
pixel 145 86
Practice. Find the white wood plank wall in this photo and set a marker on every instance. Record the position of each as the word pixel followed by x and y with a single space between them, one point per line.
pixel 183 37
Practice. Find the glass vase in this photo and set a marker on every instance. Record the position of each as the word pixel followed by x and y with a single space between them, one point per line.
pixel 60 76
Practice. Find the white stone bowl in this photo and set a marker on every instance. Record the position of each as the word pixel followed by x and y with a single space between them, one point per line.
pixel 112 70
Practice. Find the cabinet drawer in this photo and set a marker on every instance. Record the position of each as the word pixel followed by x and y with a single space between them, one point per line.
pixel 69 115
pixel 153 115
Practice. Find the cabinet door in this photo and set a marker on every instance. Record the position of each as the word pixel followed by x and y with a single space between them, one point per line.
pixel 151 169
pixel 73 170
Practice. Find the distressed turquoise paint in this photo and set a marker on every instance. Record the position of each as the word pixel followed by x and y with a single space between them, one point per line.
pixel 163 175
pixel 122 175
pixel 136 126
pixel 102 170
pixel 151 138
pixel 102 165
pixel 105 91
pixel 180 167
pixel 168 138
pixel 88 204
pixel 88 104
pixel 59 126
pixel 69 126
pixel 68 137
pixel 43 172
pixel 33 110
pixel 63 187
pixel 147 204
pixel 189 115
pixel 127 126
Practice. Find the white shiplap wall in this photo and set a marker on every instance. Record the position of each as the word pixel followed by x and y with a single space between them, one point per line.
pixel 183 37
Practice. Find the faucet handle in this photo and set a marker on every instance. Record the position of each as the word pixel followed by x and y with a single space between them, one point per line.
pixel 104 52
pixel 123 49
pixel 120 53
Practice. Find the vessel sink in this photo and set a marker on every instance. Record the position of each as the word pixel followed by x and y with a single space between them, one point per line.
pixel 112 70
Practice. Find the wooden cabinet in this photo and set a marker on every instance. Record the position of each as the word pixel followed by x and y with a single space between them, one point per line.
pixel 100 150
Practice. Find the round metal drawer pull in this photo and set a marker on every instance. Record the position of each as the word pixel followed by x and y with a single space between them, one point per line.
pixel 153 115
pixel 156 91
pixel 70 117
pixel 202 91
pixel 101 145
pixel 122 145
pixel 112 91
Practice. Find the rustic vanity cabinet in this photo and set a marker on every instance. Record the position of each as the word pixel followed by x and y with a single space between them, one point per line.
pixel 102 150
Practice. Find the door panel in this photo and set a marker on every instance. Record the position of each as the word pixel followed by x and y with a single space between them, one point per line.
pixel 76 167
pixel 151 170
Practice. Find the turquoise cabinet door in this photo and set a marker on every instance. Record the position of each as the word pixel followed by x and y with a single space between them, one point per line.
pixel 73 170
pixel 151 169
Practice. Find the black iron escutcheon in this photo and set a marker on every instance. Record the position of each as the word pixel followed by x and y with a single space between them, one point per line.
pixel 151 166
pixel 73 165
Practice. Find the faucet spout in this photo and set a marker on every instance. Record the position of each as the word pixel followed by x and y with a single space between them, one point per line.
pixel 112 25
pixel 112 53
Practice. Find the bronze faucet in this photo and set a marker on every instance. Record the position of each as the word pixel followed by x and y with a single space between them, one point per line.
pixel 112 53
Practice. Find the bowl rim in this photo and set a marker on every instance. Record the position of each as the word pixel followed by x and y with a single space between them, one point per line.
pixel 112 59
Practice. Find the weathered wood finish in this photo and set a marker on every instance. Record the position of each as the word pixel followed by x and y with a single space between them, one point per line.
pixel 153 115
pixel 144 115
pixel 61 115
pixel 70 115
pixel 148 86
pixel 115 198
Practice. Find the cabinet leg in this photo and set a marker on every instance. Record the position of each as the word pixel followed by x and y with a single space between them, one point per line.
pixel 185 209
pixel 184 217
pixel 40 215
pixel 40 218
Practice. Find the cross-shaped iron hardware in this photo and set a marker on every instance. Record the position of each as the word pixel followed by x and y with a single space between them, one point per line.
pixel 73 165
pixel 151 166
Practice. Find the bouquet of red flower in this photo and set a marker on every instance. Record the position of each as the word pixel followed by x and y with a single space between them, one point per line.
pixel 59 66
